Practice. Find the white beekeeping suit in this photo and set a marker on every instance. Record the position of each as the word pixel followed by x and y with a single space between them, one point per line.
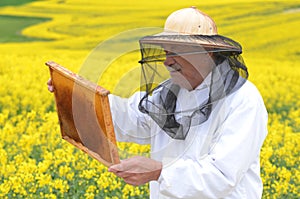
pixel 215 154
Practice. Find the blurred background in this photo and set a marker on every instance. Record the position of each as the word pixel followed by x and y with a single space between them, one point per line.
pixel 36 163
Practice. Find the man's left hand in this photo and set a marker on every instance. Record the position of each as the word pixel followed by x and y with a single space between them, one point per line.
pixel 137 170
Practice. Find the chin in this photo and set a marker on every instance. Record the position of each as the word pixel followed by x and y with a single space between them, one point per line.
pixel 182 83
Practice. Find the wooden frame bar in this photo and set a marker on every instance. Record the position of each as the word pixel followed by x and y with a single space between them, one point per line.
pixel 84 114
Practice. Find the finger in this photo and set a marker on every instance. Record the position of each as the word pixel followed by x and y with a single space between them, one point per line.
pixel 50 85
pixel 124 174
pixel 49 82
pixel 112 170
pixel 51 88
pixel 116 168
pixel 133 180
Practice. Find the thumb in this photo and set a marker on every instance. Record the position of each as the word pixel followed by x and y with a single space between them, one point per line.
pixel 116 167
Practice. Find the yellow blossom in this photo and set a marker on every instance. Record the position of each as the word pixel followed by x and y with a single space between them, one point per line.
pixel 35 162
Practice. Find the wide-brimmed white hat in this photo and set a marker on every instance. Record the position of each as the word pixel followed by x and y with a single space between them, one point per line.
pixel 190 26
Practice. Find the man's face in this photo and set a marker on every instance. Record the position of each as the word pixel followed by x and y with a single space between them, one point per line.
pixel 188 65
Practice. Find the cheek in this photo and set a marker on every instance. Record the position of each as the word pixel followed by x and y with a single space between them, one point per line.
pixel 192 73
pixel 202 61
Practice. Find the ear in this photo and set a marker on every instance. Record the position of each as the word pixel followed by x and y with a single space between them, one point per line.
pixel 213 58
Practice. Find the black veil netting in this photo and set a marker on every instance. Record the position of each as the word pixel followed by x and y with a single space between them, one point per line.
pixel 159 93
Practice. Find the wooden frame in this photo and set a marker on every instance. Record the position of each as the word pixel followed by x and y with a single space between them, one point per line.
pixel 84 114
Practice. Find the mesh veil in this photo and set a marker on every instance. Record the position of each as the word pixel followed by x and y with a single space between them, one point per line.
pixel 159 95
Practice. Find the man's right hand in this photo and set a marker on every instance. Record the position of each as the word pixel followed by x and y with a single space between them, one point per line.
pixel 50 85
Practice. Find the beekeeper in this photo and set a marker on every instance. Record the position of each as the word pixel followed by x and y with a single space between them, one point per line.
pixel 205 121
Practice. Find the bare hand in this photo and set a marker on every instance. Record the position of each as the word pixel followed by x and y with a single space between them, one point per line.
pixel 50 85
pixel 137 170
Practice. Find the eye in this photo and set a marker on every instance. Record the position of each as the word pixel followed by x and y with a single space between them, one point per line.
pixel 170 54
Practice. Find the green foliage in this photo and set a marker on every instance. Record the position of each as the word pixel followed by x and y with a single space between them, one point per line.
pixel 14 2
pixel 11 27
pixel 36 163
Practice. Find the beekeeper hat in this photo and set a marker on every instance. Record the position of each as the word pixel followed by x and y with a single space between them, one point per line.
pixel 191 26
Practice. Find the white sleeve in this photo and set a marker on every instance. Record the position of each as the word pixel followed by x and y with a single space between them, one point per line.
pixel 215 176
pixel 129 123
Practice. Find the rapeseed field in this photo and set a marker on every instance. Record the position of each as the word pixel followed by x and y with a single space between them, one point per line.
pixel 36 163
